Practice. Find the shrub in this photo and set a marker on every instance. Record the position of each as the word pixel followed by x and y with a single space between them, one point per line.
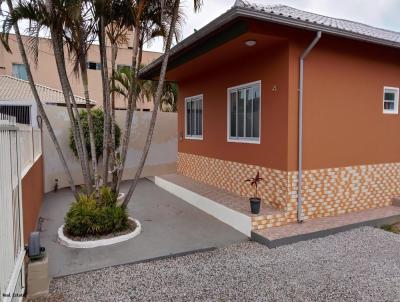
pixel 98 123
pixel 90 217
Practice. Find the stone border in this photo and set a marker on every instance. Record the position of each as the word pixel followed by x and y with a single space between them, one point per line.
pixel 101 242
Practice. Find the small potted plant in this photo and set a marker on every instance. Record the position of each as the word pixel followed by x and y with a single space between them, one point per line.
pixel 255 201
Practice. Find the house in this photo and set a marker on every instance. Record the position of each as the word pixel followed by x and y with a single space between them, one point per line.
pixel 45 72
pixel 309 101
pixel 16 99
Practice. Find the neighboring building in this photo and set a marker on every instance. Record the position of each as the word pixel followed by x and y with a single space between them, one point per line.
pixel 16 99
pixel 238 110
pixel 46 71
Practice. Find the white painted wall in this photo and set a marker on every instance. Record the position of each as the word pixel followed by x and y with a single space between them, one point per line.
pixel 161 159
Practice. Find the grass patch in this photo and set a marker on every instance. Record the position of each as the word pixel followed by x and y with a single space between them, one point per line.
pixel 393 228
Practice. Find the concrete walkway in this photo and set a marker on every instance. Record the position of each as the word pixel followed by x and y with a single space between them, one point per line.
pixel 169 226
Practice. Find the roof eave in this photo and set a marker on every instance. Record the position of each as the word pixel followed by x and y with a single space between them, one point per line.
pixel 237 12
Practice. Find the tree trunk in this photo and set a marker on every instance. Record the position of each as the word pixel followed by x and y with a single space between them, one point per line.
pixel 156 104
pixel 40 105
pixel 114 53
pixel 132 96
pixel 76 124
pixel 106 101
pixel 93 155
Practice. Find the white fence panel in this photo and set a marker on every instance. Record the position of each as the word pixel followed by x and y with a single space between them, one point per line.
pixel 11 240
pixel 37 143
pixel 20 146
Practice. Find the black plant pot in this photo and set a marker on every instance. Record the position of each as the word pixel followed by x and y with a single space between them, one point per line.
pixel 255 205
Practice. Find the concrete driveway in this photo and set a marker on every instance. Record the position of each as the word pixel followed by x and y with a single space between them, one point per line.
pixel 169 226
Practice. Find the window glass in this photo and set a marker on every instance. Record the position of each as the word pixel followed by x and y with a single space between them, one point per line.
pixel 249 113
pixel 244 113
pixel 194 117
pixel 256 112
pixel 390 100
pixel 19 71
pixel 240 113
pixel 93 65
pixel 233 112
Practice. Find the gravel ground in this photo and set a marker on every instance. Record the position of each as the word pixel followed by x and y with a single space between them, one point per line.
pixel 359 265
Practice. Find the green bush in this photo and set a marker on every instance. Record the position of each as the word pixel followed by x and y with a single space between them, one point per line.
pixel 90 217
pixel 98 120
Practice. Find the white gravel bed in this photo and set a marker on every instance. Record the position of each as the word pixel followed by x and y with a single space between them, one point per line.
pixel 359 265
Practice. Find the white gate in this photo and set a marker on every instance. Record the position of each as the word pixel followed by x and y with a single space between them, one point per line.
pixel 12 252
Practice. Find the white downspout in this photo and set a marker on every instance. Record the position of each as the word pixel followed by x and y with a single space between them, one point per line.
pixel 300 147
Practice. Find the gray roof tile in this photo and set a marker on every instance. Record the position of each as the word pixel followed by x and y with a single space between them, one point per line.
pixel 345 25
pixel 16 90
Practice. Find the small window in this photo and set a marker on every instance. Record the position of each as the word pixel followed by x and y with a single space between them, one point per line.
pixel 21 113
pixel 19 71
pixel 194 117
pixel 391 100
pixel 244 107
pixel 94 65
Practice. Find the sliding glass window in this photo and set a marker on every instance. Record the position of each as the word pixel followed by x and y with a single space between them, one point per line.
pixel 194 117
pixel 244 113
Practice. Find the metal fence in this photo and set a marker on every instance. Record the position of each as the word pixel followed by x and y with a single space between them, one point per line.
pixel 20 146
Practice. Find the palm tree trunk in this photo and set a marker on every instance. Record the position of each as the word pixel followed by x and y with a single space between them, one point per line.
pixel 106 100
pixel 76 124
pixel 132 96
pixel 114 53
pixel 85 83
pixel 156 105
pixel 40 107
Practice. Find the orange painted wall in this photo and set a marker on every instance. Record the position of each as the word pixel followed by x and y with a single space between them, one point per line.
pixel 343 98
pixel 343 101
pixel 32 196
pixel 270 65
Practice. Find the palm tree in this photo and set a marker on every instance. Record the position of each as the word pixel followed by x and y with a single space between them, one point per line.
pixel 172 14
pixel 39 103
pixel 57 16
pixel 79 38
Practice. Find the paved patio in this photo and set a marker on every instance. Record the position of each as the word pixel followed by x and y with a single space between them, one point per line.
pixel 169 226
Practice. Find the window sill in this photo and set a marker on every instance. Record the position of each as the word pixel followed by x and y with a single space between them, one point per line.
pixel 196 138
pixel 390 112
pixel 243 141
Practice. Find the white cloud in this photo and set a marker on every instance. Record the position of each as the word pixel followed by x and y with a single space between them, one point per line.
pixel 382 13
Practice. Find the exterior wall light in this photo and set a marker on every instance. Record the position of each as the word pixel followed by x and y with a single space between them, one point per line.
pixel 250 43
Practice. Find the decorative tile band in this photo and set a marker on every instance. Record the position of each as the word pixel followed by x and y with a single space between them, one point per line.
pixel 326 192
pixel 231 176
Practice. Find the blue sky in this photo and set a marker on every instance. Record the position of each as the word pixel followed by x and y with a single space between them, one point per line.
pixel 379 13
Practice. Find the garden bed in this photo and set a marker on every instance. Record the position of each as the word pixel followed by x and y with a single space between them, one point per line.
pixel 133 230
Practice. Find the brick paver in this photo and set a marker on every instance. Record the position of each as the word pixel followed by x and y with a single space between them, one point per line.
pixel 228 199
pixel 325 223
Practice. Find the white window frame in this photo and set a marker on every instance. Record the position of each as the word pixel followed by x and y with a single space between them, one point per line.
pixel 396 100
pixel 228 129
pixel 188 99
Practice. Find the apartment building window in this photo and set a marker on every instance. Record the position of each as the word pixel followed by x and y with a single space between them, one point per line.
pixel 244 108
pixel 194 117
pixel 19 71
pixel 391 100
pixel 93 65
